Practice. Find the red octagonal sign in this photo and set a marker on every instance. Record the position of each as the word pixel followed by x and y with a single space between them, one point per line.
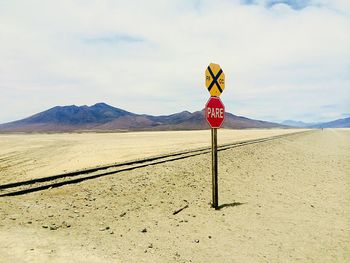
pixel 215 112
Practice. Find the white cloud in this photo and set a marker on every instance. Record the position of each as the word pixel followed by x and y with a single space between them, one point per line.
pixel 150 56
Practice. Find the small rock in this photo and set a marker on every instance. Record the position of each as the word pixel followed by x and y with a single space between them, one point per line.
pixel 65 224
pixel 44 226
pixel 104 228
pixel 150 245
pixel 111 232
pixel 122 214
pixel 312 206
pixel 53 227
pixel 29 222
pixel 196 241
pixel 144 230
pixel 209 237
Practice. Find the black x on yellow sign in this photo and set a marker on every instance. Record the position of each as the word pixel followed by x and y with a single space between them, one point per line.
pixel 214 80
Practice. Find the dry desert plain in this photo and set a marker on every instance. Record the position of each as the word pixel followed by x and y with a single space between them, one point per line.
pixel 285 200
pixel 28 156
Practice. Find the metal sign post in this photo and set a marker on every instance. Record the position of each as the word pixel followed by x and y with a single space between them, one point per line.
pixel 214 164
pixel 214 114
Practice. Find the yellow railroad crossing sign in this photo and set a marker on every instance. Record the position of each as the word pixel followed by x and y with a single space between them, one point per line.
pixel 214 80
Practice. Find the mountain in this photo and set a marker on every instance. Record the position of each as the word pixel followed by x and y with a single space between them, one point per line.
pixel 299 124
pixel 340 123
pixel 102 116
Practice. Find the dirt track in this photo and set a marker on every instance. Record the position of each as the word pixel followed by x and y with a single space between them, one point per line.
pixel 281 201
pixel 28 156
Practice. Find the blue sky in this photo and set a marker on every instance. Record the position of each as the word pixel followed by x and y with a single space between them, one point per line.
pixel 283 59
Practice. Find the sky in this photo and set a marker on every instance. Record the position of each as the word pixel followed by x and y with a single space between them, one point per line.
pixel 283 59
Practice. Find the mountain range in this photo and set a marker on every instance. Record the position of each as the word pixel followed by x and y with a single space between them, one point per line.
pixel 300 124
pixel 103 117
pixel 339 123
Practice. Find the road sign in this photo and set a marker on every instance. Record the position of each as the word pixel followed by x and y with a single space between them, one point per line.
pixel 215 112
pixel 214 79
pixel 215 115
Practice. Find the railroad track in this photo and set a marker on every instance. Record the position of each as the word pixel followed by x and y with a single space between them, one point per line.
pixel 38 184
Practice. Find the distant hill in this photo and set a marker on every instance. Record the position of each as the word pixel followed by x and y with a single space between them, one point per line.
pixel 340 123
pixel 299 124
pixel 105 117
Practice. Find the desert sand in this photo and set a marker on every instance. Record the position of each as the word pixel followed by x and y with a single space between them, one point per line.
pixel 286 200
pixel 27 156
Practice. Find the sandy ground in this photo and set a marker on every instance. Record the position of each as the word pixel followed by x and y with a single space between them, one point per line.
pixel 38 155
pixel 286 200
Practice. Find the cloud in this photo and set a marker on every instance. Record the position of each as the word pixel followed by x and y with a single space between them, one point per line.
pixel 294 4
pixel 339 6
pixel 281 60
pixel 112 38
